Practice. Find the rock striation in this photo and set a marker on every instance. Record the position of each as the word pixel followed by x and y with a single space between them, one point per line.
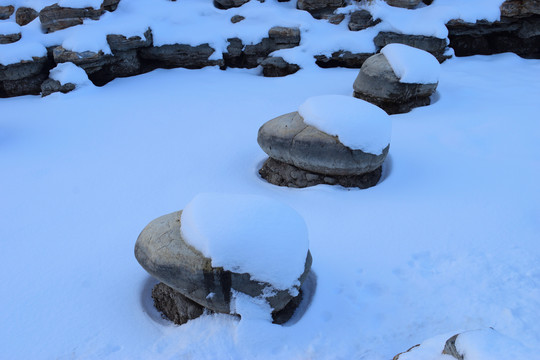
pixel 378 84
pixel 163 252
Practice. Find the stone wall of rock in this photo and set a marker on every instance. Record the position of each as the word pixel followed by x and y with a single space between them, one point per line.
pixel 517 31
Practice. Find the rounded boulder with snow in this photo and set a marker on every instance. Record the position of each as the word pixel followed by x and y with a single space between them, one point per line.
pixel 332 139
pixel 222 244
pixel 398 79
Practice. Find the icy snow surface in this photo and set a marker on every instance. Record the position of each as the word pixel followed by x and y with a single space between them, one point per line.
pixel 446 242
pixel 69 73
pixel 357 123
pixel 412 65
pixel 248 234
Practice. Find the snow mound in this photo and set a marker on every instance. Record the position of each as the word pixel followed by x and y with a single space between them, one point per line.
pixel 412 65
pixel 69 73
pixel 248 234
pixel 488 344
pixel 358 124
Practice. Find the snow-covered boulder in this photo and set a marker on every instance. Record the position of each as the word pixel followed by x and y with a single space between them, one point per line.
pixel 361 19
pixel 332 139
pixel 22 78
pixel 9 33
pixel 221 244
pixel 64 78
pixel 398 79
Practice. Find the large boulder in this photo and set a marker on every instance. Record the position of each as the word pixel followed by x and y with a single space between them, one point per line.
pixel 342 58
pixel 162 251
pixel 55 17
pixel 378 83
pixel 24 77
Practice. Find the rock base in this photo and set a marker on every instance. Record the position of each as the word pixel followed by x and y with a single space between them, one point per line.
pixel 179 309
pixel 282 174
pixel 392 107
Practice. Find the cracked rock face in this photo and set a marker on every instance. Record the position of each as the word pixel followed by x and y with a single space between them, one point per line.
pixel 162 252
pixel 288 139
pixel 378 84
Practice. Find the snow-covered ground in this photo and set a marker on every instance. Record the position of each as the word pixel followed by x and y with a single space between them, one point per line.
pixel 446 242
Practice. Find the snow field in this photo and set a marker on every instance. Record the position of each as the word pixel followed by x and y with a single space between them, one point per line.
pixel 446 242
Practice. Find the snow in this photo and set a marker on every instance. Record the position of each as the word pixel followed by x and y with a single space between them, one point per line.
pixel 412 65
pixel 69 73
pixel 357 123
pixel 248 234
pixel 446 242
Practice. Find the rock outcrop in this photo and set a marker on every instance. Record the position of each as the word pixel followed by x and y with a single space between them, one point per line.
pixel 342 58
pixel 162 251
pixel 378 84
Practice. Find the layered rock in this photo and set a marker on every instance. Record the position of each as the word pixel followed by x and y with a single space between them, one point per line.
pixel 164 253
pixel 517 31
pixel 50 86
pixel 433 45
pixel 320 9
pixel 302 155
pixel 378 83
pixel 23 78
pixel 55 17
pixel 342 58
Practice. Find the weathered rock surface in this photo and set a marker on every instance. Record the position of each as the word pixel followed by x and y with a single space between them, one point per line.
pixel 282 174
pixel 250 56
pixel 407 4
pixel 121 43
pixel 227 4
pixel 90 61
pixel 378 84
pixel 178 55
pixel 320 9
pixel 342 58
pixel 25 15
pixel 361 19
pixel 50 86
pixel 6 12
pixel 23 78
pixel 277 66
pixel 237 18
pixel 175 306
pixel 55 17
pixel 110 5
pixel 431 44
pixel 288 139
pixel 9 38
pixel 161 250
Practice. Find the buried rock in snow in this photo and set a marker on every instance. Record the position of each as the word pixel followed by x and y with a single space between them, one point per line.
pixel 220 245
pixel 398 79
pixel 332 139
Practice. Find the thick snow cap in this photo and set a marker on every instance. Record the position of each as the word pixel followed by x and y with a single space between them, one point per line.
pixel 412 65
pixel 359 125
pixel 248 234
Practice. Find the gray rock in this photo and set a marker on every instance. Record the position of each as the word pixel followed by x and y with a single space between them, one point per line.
pixel 122 43
pixel 6 12
pixel 237 18
pixel 284 37
pixel 25 15
pixel 282 174
pixel 277 66
pixel 378 84
pixel 50 86
pixel 361 19
pixel 23 78
pixel 407 4
pixel 288 139
pixel 9 38
pixel 450 348
pixel 227 4
pixel 336 19
pixel 431 44
pixel 90 61
pixel 175 306
pixel 342 58
pixel 320 9
pixel 110 5
pixel 55 17
pixel 161 250
pixel 179 55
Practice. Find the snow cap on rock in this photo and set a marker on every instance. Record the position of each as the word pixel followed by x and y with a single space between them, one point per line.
pixel 69 73
pixel 412 65
pixel 248 234
pixel 358 124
